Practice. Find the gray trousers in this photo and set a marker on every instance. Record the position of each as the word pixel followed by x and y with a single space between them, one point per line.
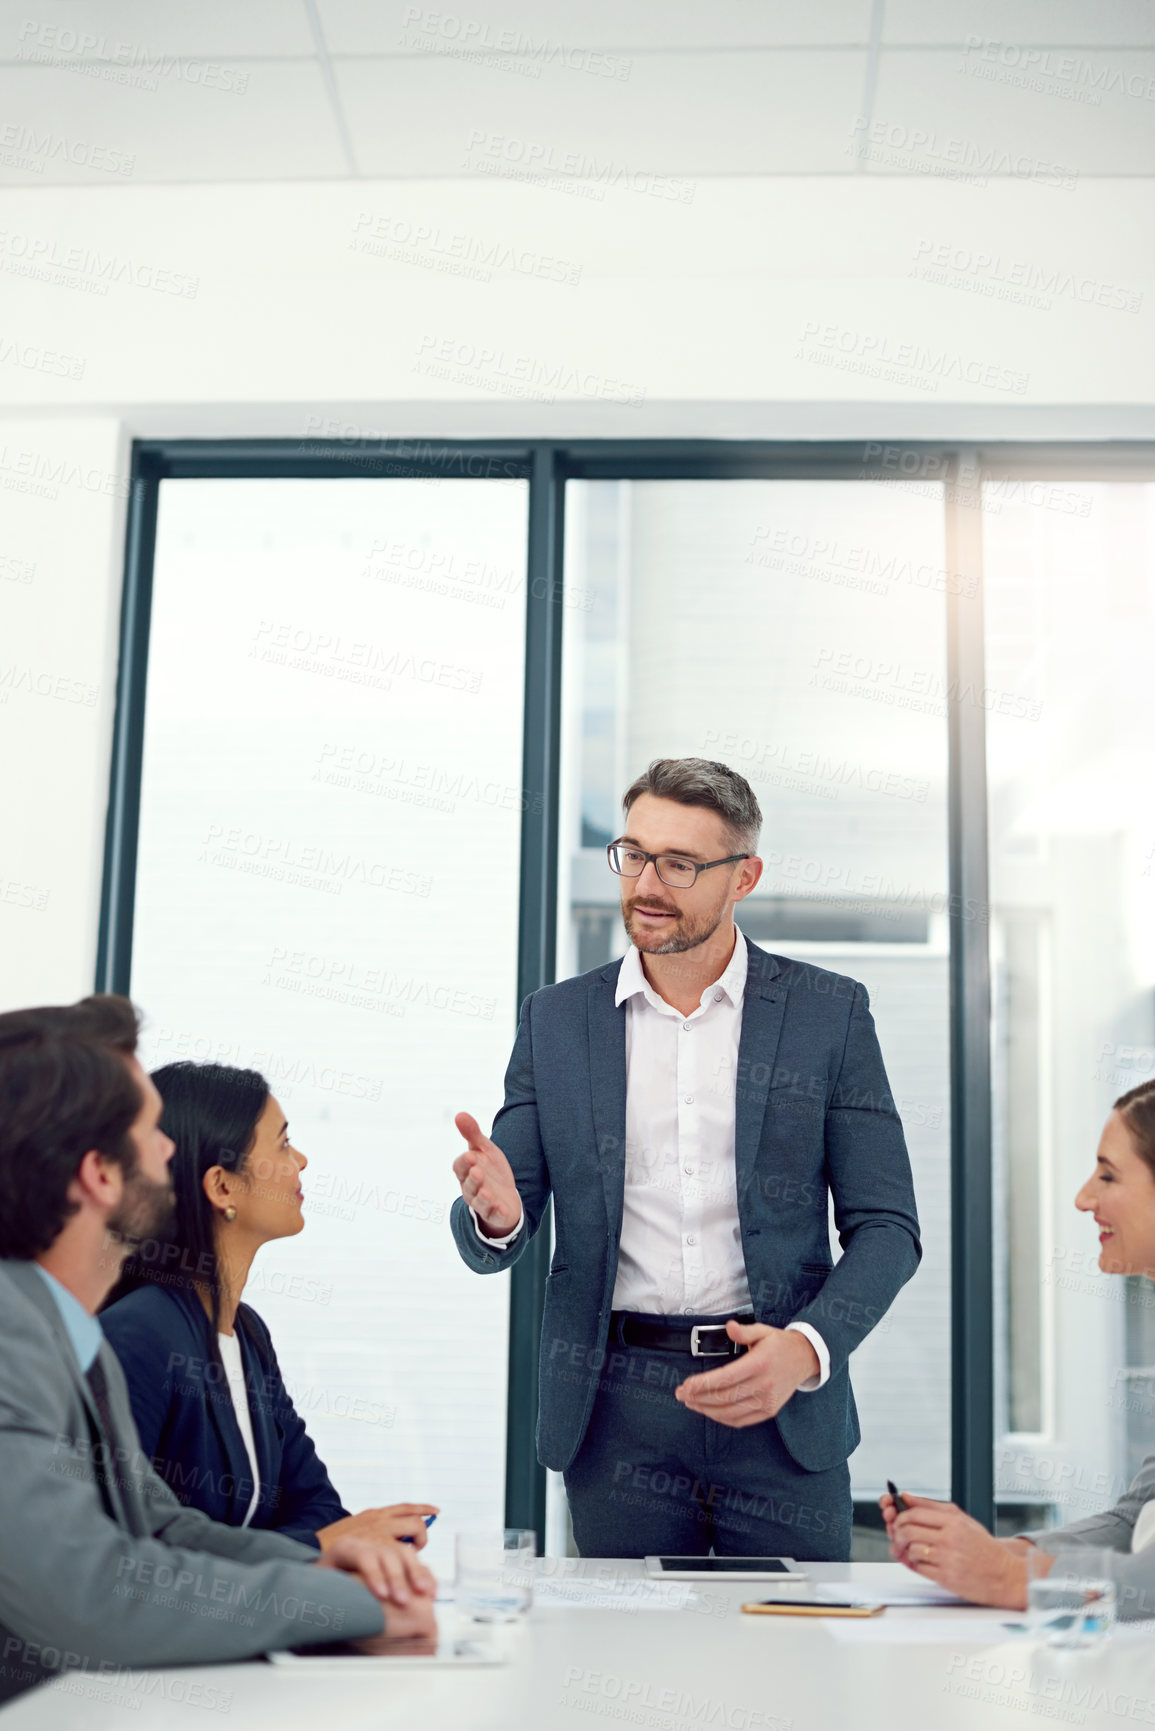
pixel 652 1477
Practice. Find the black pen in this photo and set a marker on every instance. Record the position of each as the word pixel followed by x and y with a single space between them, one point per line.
pixel 899 1505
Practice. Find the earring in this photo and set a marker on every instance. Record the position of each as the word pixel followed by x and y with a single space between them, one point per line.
pixel 230 1212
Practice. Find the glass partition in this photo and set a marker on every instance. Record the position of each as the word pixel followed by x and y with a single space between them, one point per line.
pixel 327 891
pixel 796 631
pixel 330 830
pixel 1070 623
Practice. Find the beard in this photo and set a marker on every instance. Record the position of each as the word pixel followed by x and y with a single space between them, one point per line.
pixel 687 934
pixel 147 1210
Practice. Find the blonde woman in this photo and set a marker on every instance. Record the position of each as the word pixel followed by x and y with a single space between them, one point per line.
pixel 941 1542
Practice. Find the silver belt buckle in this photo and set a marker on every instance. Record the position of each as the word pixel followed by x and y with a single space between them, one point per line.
pixel 710 1328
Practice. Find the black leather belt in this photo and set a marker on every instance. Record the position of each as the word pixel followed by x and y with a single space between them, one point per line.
pixel 697 1339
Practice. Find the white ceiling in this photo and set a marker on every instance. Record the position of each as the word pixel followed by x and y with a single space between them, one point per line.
pixel 116 92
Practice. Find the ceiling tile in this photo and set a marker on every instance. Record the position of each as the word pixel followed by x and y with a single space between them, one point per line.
pixel 1129 22
pixel 545 26
pixel 760 112
pixel 61 127
pixel 960 114
pixel 139 31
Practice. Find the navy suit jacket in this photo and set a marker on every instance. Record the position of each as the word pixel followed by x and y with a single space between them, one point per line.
pixel 814 1120
pixel 184 1413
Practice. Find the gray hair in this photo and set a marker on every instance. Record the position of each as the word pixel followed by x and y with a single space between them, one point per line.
pixel 699 781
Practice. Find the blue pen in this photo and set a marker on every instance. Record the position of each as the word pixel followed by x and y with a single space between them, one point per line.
pixel 429 1520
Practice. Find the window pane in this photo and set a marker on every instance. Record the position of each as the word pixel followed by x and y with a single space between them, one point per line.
pixel 328 892
pixel 794 630
pixel 1070 623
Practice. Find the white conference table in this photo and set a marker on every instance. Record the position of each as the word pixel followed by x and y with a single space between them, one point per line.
pixel 705 1667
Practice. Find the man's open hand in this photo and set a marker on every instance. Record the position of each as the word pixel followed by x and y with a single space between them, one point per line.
pixel 409 1633
pixel 388 1568
pixel 486 1179
pixel 752 1388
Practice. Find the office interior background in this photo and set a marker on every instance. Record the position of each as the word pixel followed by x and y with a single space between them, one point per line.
pixel 413 422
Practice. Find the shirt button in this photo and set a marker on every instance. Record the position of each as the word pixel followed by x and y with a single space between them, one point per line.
pixel 688 1170
pixel 687 1026
pixel 718 996
pixel 689 1099
pixel 691 1238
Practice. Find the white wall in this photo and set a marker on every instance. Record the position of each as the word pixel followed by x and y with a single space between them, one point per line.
pixel 61 534
pixel 760 308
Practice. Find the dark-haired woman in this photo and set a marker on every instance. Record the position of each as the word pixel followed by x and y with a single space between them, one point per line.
pixel 206 1389
pixel 940 1541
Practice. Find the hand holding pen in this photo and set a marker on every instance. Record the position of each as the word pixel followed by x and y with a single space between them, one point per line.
pixel 893 1504
pixel 399 1523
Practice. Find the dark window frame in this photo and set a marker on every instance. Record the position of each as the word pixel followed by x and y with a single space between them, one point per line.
pixel 547 465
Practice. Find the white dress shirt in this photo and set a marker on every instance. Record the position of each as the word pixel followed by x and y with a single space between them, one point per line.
pixel 680 1250
pixel 681 1246
pixel 1143 1533
pixel 230 1348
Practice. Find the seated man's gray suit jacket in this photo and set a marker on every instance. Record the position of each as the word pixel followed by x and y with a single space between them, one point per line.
pixel 814 1119
pixel 100 1565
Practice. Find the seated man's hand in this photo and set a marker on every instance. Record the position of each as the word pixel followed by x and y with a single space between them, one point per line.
pixel 391 1571
pixel 411 1629
pixel 752 1388
pixel 945 1545
pixel 397 1521
pixel 486 1179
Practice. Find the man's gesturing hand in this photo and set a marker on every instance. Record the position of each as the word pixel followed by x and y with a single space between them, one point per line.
pixel 756 1386
pixel 486 1179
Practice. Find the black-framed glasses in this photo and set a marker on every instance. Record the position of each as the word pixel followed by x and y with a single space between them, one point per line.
pixel 679 873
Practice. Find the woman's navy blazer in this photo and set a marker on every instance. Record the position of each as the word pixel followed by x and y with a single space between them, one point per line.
pixel 184 1413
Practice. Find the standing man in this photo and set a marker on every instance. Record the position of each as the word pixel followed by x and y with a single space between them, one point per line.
pixel 692 1109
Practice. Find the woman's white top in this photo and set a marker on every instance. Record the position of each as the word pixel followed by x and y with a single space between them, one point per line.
pixel 1143 1532
pixel 235 1372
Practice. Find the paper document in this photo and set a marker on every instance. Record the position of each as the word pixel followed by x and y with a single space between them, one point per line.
pixel 907 1593
pixel 976 1628
pixel 621 1595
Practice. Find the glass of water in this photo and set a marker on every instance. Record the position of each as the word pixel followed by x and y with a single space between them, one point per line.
pixel 495 1574
pixel 1073 1605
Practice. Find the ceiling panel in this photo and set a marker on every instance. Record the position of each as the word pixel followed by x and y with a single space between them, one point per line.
pixel 232 89
pixel 145 29
pixel 933 112
pixel 760 112
pixel 389 26
pixel 1128 22
pixel 63 127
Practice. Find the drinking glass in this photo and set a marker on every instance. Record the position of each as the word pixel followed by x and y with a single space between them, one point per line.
pixel 495 1574
pixel 1073 1605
